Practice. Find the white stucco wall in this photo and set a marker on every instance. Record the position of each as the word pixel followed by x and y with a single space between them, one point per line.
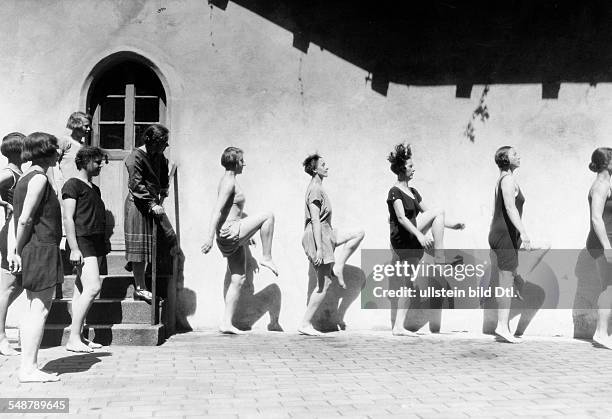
pixel 245 91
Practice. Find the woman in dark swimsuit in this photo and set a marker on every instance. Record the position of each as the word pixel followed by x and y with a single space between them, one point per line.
pixel 11 148
pixel 407 234
pixel 38 234
pixel 600 236
pixel 507 233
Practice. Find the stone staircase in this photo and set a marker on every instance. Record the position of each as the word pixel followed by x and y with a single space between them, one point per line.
pixel 114 317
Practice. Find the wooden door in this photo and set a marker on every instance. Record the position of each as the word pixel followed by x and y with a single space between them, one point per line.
pixel 124 101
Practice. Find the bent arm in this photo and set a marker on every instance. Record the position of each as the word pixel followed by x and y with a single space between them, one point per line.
pixel 34 195
pixel 508 188
pixel 599 194
pixel 398 207
pixel 226 189
pixel 6 181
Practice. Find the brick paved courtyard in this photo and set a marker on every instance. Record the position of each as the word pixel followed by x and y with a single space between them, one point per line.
pixel 349 374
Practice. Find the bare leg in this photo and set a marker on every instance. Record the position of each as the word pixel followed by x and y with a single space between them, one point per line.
pixel 89 276
pixel 237 266
pixel 138 268
pixel 434 219
pixel 403 305
pixel 316 298
pixel 348 296
pixel 9 291
pixel 349 240
pixel 265 224
pixel 506 280
pixel 32 328
pixel 604 304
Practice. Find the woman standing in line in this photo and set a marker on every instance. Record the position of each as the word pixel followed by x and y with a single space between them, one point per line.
pixel 320 240
pixel 85 224
pixel 10 289
pixel 600 235
pixel 407 233
pixel 37 253
pixel 148 185
pixel 507 234
pixel 235 231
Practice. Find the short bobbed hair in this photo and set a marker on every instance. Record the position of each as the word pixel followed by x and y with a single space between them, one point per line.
pixel 501 157
pixel 77 119
pixel 88 154
pixel 600 159
pixel 12 145
pixel 310 163
pixel 154 134
pixel 230 157
pixel 38 145
pixel 398 158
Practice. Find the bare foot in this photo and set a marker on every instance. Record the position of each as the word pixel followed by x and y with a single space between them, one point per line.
pixel 78 346
pixel 309 331
pixel 37 376
pixel 338 272
pixel 403 332
pixel 275 327
pixel 269 263
pixel 605 341
pixel 506 336
pixel 231 330
pixel 6 349
pixel 92 345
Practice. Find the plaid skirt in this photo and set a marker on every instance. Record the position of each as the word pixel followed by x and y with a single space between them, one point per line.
pixel 138 228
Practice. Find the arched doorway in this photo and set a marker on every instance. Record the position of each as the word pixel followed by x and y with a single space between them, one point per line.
pixel 125 96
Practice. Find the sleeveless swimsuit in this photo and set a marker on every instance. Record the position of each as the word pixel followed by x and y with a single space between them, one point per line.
pixel 593 244
pixel 41 259
pixel 7 195
pixel 504 238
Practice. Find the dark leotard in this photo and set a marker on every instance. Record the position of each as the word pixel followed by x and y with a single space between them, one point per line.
pixel 593 244
pixel 7 196
pixel 504 238
pixel 404 243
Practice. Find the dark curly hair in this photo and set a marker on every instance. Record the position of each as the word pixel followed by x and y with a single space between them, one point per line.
pixel 600 159
pixel 310 163
pixel 87 154
pixel 398 158
pixel 154 134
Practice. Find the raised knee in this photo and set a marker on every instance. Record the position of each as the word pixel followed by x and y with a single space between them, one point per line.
pixel 360 235
pixel 92 291
pixel 439 212
pixel 269 216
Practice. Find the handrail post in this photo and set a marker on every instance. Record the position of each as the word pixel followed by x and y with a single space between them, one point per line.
pixel 172 282
pixel 154 275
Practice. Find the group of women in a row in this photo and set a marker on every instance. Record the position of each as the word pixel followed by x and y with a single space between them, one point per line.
pixel 410 219
pixel 32 233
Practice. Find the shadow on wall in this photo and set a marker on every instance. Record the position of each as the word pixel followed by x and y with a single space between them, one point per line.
pixel 454 42
pixel 330 315
pixel 588 268
pixel 252 306
pixel 540 285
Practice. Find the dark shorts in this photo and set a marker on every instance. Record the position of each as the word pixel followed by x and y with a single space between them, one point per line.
pixel 505 250
pixel 94 245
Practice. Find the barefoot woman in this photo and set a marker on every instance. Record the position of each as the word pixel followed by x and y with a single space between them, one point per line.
pixel 506 234
pixel 598 242
pixel 320 240
pixel 234 232
pixel 37 253
pixel 407 234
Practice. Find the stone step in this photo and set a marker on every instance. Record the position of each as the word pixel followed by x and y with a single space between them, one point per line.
pixel 115 334
pixel 106 311
pixel 113 286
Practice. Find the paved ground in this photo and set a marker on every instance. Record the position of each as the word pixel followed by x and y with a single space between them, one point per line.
pixel 349 374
